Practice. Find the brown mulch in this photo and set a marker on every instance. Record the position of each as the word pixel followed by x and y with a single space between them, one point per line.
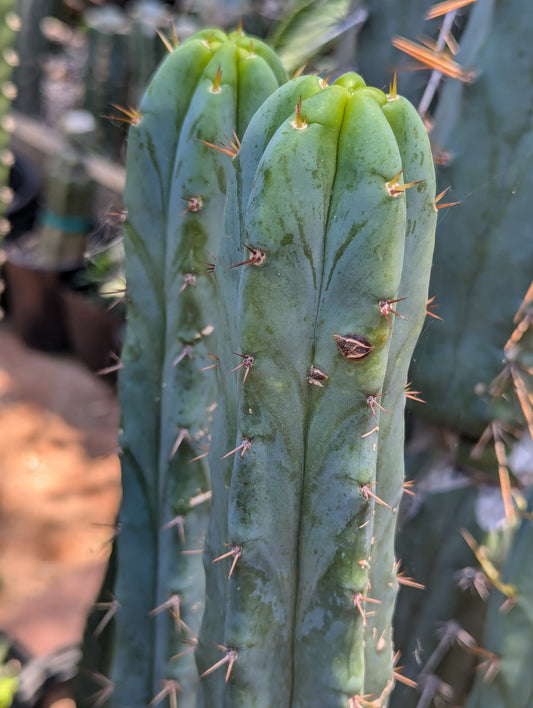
pixel 59 493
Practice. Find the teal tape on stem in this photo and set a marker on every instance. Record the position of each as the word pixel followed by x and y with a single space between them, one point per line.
pixel 69 224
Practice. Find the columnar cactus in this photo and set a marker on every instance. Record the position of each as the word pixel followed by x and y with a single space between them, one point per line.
pixel 315 231
pixel 206 88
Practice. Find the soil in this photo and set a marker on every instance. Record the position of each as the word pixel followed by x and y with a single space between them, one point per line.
pixel 59 493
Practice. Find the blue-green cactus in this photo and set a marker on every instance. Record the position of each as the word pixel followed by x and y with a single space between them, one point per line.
pixel 174 198
pixel 315 232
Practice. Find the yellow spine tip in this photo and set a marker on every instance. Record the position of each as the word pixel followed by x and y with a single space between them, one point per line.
pixel 300 122
pixel 393 88
pixel 217 82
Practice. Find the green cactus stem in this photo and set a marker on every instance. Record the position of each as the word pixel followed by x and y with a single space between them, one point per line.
pixel 175 191
pixel 322 227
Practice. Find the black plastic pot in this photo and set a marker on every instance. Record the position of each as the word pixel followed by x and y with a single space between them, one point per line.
pixel 26 185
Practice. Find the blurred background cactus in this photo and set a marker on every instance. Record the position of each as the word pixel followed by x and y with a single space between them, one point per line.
pixel 464 522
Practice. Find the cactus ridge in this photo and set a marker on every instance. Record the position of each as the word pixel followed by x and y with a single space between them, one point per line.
pixel 421 219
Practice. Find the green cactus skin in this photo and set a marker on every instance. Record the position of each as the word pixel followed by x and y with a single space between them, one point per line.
pixel 295 509
pixel 484 254
pixel 195 95
pixel 508 632
pixel 417 163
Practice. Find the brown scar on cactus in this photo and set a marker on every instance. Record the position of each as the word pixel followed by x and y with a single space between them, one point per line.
pixel 245 444
pixel 353 346
pixel 300 122
pixel 316 376
pixel 395 189
pixel 229 658
pixel 358 599
pixel 236 553
pixel 257 257
pixel 247 362
pixel 386 309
